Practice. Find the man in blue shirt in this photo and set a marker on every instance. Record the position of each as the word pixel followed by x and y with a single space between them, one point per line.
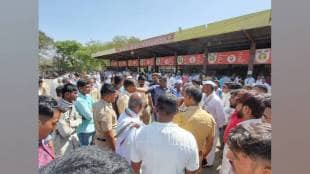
pixel 83 104
pixel 177 90
pixel 157 90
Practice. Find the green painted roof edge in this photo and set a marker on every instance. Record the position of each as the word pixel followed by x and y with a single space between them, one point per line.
pixel 245 22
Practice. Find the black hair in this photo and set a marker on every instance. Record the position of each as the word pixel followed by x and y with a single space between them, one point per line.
pixel 107 89
pixel 46 107
pixel 40 81
pixel 129 82
pixel 118 79
pixel 267 102
pixel 194 93
pixel 197 82
pixel 141 77
pixel 59 92
pixel 262 87
pixel 167 103
pixel 253 140
pixel 68 88
pixel 65 80
pixel 77 74
pixel 234 86
pixel 255 103
pixel 81 83
pixel 88 160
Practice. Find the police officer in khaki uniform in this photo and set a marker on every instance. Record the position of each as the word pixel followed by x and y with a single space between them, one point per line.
pixel 146 113
pixel 122 101
pixel 105 118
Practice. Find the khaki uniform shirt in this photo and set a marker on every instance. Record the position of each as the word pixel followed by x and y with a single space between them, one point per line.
pixel 105 120
pixel 197 121
pixel 146 113
pixel 122 102
pixel 94 93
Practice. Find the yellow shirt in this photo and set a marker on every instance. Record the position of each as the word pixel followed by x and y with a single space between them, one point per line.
pixel 197 121
pixel 122 102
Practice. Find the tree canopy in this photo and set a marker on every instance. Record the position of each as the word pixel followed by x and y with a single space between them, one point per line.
pixel 72 56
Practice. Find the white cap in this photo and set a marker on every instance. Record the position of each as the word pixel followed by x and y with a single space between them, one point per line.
pixel 179 82
pixel 209 82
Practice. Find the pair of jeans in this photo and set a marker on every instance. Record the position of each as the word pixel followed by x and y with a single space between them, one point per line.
pixel 86 138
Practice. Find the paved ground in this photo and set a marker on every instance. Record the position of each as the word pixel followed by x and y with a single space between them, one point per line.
pixel 217 163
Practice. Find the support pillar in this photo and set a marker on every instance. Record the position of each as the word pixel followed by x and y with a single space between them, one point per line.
pixel 176 62
pixel 252 58
pixel 205 62
pixel 139 65
pixel 252 52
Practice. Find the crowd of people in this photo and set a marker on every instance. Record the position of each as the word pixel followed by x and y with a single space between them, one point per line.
pixel 154 123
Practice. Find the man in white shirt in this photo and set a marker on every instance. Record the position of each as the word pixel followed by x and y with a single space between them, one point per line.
pixel 249 80
pixel 213 104
pixel 129 124
pixel 161 147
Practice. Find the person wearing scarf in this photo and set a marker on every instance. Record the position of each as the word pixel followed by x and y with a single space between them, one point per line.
pixel 129 124
pixel 66 139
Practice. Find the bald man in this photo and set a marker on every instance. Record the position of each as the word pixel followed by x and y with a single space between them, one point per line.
pixel 129 124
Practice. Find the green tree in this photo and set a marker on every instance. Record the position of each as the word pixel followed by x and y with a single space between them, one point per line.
pixel 46 48
pixel 45 41
pixel 66 50
pixel 73 56
pixel 84 55
pixel 121 41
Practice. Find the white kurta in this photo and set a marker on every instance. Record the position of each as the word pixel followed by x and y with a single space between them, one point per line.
pixel 126 133
pixel 214 106
pixel 226 103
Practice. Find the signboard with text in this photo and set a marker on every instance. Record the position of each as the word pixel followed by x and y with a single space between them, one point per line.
pixel 230 57
pixel 263 56
pixel 114 63
pixel 122 63
pixel 147 62
pixel 166 61
pixel 197 59
pixel 134 62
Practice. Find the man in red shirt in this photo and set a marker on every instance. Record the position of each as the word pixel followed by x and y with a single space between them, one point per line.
pixel 235 102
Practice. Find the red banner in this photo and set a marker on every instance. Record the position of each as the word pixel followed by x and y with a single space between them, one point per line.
pixel 230 57
pixel 147 62
pixel 114 63
pixel 148 42
pixel 165 61
pixel 122 63
pixel 263 56
pixel 197 59
pixel 134 62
